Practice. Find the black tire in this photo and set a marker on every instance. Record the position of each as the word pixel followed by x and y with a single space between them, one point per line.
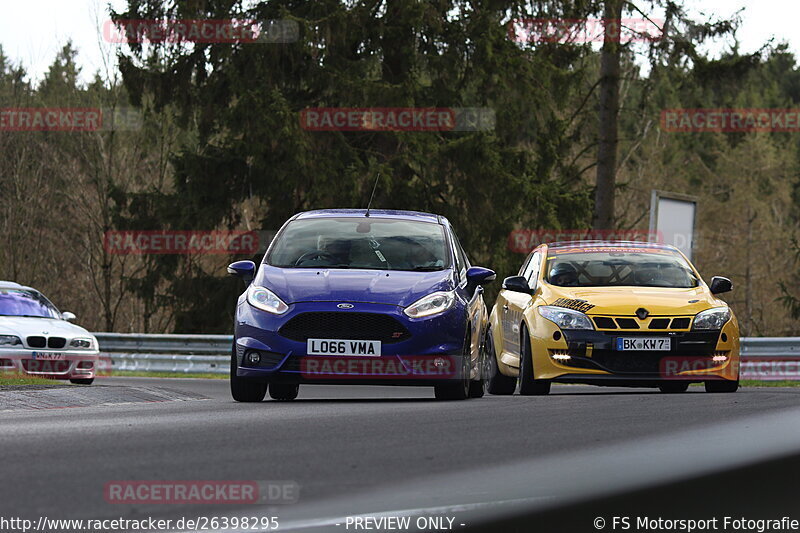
pixel 452 391
pixel 723 385
pixel 528 385
pixel 499 384
pixel 82 381
pixel 245 390
pixel 478 388
pixel 456 390
pixel 283 391
pixel 673 387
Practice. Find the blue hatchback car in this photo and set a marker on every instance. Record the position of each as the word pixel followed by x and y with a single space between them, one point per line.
pixel 360 297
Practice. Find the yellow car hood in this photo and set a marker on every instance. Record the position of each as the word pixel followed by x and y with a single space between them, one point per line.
pixel 626 300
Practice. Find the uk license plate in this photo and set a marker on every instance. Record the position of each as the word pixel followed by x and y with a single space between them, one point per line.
pixel 644 344
pixel 343 347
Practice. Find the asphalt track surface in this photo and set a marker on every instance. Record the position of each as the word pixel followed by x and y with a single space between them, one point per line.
pixel 372 451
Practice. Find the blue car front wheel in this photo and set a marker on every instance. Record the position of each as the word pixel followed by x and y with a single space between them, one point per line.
pixel 283 391
pixel 457 389
pixel 245 390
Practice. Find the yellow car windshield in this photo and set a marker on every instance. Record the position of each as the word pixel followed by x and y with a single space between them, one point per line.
pixel 661 268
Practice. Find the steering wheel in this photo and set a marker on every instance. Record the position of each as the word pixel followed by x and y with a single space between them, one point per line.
pixel 314 254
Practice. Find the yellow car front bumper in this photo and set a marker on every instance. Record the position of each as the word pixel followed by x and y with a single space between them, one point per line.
pixel 588 355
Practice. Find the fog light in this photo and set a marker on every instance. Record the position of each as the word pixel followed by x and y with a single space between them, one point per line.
pixel 438 362
pixel 253 358
pixel 719 358
pixel 561 357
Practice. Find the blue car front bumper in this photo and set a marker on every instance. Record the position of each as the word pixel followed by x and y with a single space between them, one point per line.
pixel 416 351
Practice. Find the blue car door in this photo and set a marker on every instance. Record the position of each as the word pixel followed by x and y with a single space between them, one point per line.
pixel 476 308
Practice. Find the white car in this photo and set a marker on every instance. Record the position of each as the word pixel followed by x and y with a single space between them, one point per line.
pixel 38 340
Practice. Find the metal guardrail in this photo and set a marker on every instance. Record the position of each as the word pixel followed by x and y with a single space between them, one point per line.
pixel 770 358
pixel 759 347
pixel 763 358
pixel 206 354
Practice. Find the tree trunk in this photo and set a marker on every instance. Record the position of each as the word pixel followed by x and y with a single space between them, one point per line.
pixel 609 109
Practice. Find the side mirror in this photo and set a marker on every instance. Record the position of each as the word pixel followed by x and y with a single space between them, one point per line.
pixel 477 276
pixel 720 285
pixel 69 317
pixel 243 269
pixel 480 275
pixel 517 284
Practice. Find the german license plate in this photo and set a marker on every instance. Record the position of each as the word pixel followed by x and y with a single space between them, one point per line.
pixel 343 347
pixel 48 356
pixel 644 344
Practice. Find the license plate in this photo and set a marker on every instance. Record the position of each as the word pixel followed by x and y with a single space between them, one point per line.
pixel 49 356
pixel 644 344
pixel 343 347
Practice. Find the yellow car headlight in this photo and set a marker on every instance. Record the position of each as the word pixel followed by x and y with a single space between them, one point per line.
pixel 565 318
pixel 713 318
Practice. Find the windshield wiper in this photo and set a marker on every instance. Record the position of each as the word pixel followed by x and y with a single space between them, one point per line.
pixel 340 265
pixel 425 268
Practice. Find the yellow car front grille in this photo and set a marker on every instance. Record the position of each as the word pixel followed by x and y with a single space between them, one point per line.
pixel 629 323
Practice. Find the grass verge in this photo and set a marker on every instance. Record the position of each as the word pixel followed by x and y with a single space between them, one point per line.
pixel 135 374
pixel 21 380
pixel 782 383
pixel 27 380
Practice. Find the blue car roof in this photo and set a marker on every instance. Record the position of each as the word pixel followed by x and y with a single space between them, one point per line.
pixel 382 213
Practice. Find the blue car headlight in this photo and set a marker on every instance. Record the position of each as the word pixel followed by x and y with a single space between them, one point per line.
pixel 565 318
pixel 431 304
pixel 266 300
pixel 713 318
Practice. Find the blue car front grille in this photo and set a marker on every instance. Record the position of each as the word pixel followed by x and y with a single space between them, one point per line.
pixel 345 325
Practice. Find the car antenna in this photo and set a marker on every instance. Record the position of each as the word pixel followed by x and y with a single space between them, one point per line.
pixel 377 177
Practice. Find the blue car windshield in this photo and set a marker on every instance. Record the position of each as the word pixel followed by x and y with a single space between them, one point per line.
pixel 364 243
pixel 20 302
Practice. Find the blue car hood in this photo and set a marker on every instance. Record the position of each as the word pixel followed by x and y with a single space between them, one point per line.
pixel 393 287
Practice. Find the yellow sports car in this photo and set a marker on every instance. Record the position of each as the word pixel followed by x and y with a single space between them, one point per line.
pixel 611 313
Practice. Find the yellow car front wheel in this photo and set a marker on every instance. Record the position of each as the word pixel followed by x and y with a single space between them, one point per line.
pixel 499 384
pixel 722 385
pixel 528 384
pixel 672 387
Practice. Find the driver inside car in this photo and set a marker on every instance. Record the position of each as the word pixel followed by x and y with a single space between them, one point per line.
pixel 564 275
pixel 417 256
pixel 329 252
pixel 338 249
